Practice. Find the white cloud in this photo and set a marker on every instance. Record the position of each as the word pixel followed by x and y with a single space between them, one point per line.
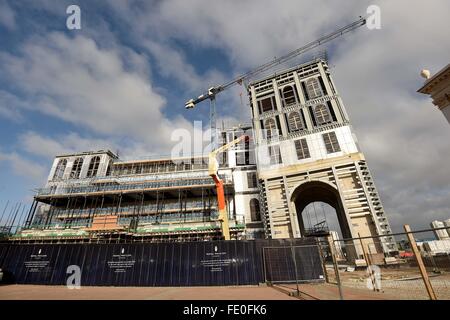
pixel 10 106
pixel 75 80
pixel 7 15
pixel 25 167
pixel 36 144
pixel 171 63
pixel 50 146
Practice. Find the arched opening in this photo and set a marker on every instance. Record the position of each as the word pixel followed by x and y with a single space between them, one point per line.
pixel 289 96
pixel 322 114
pixel 76 168
pixel 313 88
pixel 271 128
pixel 295 121
pixel 60 168
pixel 319 209
pixel 320 215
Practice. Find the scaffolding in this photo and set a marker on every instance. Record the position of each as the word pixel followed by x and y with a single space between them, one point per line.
pixel 181 209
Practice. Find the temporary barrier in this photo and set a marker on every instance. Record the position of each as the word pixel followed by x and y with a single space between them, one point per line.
pixel 292 264
pixel 209 263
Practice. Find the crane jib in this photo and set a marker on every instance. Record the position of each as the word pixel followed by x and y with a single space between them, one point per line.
pixel 267 66
pixel 277 61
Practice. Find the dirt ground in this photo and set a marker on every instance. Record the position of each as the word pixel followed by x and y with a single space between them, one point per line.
pixel 325 291
pixel 403 284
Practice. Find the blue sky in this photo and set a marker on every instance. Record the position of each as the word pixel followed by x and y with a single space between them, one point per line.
pixel 121 82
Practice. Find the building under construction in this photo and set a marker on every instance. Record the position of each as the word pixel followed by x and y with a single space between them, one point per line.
pixel 302 150
pixel 157 221
pixel 95 196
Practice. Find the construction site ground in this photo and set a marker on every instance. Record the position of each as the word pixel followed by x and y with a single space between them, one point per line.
pixel 401 283
pixel 320 291
pixel 396 284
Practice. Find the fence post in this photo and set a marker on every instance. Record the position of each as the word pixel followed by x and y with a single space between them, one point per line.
pixel 369 268
pixel 322 258
pixel 419 260
pixel 295 266
pixel 264 264
pixel 335 265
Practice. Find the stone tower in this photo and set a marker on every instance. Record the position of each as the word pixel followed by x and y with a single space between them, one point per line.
pixel 307 152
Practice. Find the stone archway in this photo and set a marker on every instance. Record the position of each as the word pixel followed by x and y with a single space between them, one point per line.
pixel 318 191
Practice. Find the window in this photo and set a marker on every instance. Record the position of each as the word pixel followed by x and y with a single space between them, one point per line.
pixel 251 180
pixel 295 121
pixel 302 149
pixel 60 168
pixel 171 166
pixel 322 114
pixel 241 158
pixel 275 155
pixel 76 168
pixel 255 214
pixel 267 104
pixel 289 96
pixel 313 88
pixel 271 128
pixel 331 142
pixel 109 169
pixel 93 167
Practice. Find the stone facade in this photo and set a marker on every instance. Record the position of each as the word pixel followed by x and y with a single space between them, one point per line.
pixel 307 152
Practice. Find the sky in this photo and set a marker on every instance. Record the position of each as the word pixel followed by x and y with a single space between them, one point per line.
pixel 120 83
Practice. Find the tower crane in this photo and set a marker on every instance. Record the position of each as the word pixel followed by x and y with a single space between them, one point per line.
pixel 214 90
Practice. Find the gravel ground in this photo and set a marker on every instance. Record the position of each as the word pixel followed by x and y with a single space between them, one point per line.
pixel 402 283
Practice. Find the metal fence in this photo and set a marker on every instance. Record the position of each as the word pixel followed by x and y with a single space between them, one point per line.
pixel 292 264
pixel 413 272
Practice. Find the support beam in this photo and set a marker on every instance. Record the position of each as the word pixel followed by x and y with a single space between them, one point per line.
pixel 30 215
